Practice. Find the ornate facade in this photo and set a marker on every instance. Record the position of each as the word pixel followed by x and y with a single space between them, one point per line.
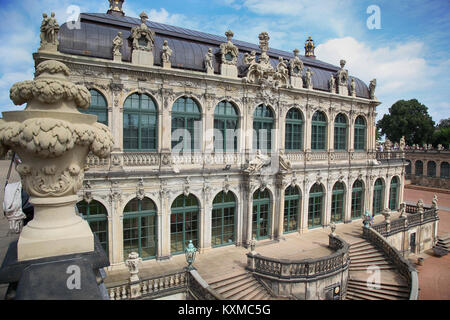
pixel 428 167
pixel 301 152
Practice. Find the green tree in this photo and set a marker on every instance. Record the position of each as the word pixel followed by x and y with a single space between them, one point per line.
pixel 410 119
pixel 444 123
pixel 442 136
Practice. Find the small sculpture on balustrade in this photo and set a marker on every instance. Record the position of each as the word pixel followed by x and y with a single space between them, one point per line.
pixel 420 206
pixel 387 145
pixel 132 263
pixel 367 219
pixel 252 244
pixel 387 215
pixel 333 228
pixel 434 203
pixel 440 147
pixel 402 210
pixel 402 143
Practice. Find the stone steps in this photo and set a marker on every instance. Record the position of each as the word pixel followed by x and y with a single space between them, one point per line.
pixel 240 286
pixel 384 285
pixel 378 294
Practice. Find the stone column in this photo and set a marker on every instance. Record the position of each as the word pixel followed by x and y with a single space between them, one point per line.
pixel 330 138
pixel 368 194
pixel 348 202
pixel 387 190
pixel 307 125
pixel 249 214
pixel 52 138
pixel 326 219
pixel 165 125
pixel 438 168
pixel 282 129
pixel 116 231
pixel 206 230
pixel 164 223
pixel 351 133
pixel 280 210
pixel 305 203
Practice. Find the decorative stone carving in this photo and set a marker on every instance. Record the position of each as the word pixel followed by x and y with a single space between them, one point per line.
pixel 342 79
pixel 49 33
pixel 420 206
pixel 115 8
pixel 285 164
pixel 186 186
pixel 229 53
pixel 87 194
pixel 333 229
pixel 353 88
pixel 209 62
pixel 143 40
pixel 53 139
pixel 402 143
pixel 165 55
pixel 296 68
pixel 132 263
pixel 226 184
pixel 117 47
pixel 387 215
pixel 140 191
pixel 434 202
pixel 309 48
pixel 372 86
pixel 332 84
pixel 308 79
pixel 261 72
pixel 387 145
pixel 256 164
pixel 402 210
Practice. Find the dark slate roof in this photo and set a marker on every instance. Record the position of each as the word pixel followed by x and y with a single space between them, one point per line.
pixel 98 30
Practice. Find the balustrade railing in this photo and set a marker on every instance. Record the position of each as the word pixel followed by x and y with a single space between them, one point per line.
pixel 390 155
pixel 306 269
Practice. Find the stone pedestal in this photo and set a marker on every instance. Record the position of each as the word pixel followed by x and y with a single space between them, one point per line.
pixel 117 58
pixel 141 57
pixel 167 64
pixel 48 47
pixel 343 90
pixel 228 70
pixel 209 70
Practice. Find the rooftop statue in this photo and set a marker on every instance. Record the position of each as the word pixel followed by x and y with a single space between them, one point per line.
pixel 332 84
pixel 308 78
pixel 49 32
pixel 228 50
pixel 353 88
pixel 434 202
pixel 372 86
pixel 166 54
pixel 143 38
pixel 117 45
pixel 209 61
pixel 402 143
pixel 342 74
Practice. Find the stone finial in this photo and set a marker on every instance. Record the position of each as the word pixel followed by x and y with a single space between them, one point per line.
pixel 115 8
pixel 132 263
pixel 264 41
pixel 49 33
pixel 296 52
pixel 342 63
pixel 309 48
pixel 387 215
pixel 144 17
pixel 229 34
pixel 52 138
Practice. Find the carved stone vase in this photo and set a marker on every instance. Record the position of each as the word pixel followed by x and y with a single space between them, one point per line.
pixel 52 139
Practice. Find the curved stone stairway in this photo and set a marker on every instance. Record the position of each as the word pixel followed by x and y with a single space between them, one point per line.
pixel 392 285
pixel 240 286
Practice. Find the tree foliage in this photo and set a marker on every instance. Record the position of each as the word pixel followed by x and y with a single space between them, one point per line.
pixel 444 123
pixel 442 136
pixel 410 119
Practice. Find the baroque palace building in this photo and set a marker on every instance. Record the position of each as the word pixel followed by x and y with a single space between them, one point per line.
pixel 216 140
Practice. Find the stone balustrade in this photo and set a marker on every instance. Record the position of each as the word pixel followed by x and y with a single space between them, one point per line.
pixel 390 155
pixel 403 265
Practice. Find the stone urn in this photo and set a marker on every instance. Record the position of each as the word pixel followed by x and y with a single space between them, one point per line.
pixel 387 215
pixel 53 139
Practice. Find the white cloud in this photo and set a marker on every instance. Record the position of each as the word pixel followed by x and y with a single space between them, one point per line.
pixel 163 16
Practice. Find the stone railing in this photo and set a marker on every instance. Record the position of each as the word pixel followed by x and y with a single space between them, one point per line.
pixel 307 269
pixel 403 265
pixel 199 288
pixel 403 224
pixel 390 155
pixel 149 288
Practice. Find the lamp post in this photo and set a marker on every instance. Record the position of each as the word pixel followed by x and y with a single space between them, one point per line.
pixel 190 252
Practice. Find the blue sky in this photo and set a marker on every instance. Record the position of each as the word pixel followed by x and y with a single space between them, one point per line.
pixel 409 56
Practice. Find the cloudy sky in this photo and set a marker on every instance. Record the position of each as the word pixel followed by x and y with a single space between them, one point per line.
pixel 409 54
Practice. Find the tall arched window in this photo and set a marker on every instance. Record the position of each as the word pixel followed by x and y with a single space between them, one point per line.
pixel 140 123
pixel 186 115
pixel 223 219
pixel 340 132
pixel 226 123
pixel 378 191
pixel 140 228
pixel 184 223
pixel 393 194
pixel 337 202
pixel 294 130
pixel 315 207
pixel 96 215
pixel 291 209
pixel 262 128
pixel 445 170
pixel 261 215
pixel 431 169
pixel 319 131
pixel 408 168
pixel 360 134
pixel 419 168
pixel 357 200
pixel 98 107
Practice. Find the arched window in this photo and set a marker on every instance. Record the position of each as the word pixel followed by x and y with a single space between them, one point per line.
pixel 261 215
pixel 360 134
pixel 378 191
pixel 184 223
pixel 96 215
pixel 393 194
pixel 315 208
pixel 319 131
pixel 445 170
pixel 140 228
pixel 431 169
pixel 340 132
pixel 357 200
pixel 408 168
pixel 294 130
pixel 98 107
pixel 226 123
pixel 262 128
pixel 223 219
pixel 187 117
pixel 140 123
pixel 337 202
pixel 419 168
pixel 291 209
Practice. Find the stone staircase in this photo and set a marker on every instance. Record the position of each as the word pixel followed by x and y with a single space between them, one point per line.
pixel 240 286
pixel 443 242
pixel 392 285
